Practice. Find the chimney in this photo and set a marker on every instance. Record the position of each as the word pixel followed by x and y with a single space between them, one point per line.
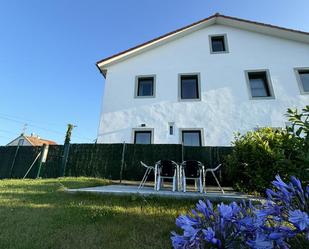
pixel 34 135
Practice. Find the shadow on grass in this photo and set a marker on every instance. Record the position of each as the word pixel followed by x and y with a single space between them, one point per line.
pixel 38 215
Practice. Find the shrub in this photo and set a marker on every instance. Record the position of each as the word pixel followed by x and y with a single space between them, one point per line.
pixel 259 155
pixel 278 223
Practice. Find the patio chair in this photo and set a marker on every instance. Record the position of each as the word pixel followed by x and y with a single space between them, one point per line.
pixel 166 169
pixel 147 172
pixel 214 175
pixel 192 170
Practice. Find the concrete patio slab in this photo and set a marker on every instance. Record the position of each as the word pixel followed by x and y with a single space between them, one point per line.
pixel 125 190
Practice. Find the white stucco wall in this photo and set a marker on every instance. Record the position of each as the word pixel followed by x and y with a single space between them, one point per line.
pixel 225 105
pixel 16 141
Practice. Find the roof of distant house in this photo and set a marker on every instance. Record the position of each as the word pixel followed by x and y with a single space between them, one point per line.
pixel 37 141
pixel 217 18
pixel 34 140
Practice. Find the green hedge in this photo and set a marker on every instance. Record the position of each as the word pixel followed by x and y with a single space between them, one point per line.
pixel 24 158
pixel 51 168
pixel 98 160
pixel 104 160
pixel 258 156
pixel 149 154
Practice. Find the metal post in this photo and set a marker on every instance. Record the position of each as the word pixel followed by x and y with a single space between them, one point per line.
pixel 64 161
pixel 44 151
pixel 32 165
pixel 182 152
pixel 14 159
pixel 122 159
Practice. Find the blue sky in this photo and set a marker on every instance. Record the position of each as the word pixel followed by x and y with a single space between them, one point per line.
pixel 48 51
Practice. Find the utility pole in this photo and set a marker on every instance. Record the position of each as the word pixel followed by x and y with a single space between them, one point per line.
pixel 66 148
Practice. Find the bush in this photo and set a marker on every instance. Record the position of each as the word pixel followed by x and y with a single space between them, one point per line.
pixel 260 155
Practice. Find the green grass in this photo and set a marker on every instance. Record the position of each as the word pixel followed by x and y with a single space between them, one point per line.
pixel 39 214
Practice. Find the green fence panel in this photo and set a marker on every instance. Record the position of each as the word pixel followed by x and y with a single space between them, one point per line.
pixel 98 160
pixel 6 159
pixel 25 156
pixel 104 160
pixel 210 157
pixel 51 168
pixel 149 154
pixel 24 160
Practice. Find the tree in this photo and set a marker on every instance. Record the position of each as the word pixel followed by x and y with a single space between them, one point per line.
pixel 68 133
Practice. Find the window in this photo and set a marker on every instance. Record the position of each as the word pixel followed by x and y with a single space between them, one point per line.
pixel 259 84
pixel 171 128
pixel 303 80
pixel 218 44
pixel 21 142
pixel 189 87
pixel 142 137
pixel 145 86
pixel 191 138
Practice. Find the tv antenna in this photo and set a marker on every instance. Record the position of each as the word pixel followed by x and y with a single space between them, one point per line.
pixel 24 129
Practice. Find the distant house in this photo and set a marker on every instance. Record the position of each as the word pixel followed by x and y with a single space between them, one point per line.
pixel 32 140
pixel 201 83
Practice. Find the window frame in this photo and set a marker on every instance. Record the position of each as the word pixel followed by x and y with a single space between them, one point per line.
pixel 200 130
pixel 225 44
pixel 136 130
pixel 136 88
pixel 269 84
pixel 21 142
pixel 298 79
pixel 171 128
pixel 198 86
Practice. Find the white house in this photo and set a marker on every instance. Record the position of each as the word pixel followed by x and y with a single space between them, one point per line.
pixel 202 83
pixel 32 140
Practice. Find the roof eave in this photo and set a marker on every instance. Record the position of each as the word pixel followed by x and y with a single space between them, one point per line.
pixel 264 28
pixel 102 71
pixel 269 29
pixel 29 140
pixel 166 37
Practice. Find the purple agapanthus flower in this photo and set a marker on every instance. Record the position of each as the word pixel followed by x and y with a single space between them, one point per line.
pixel 271 225
pixel 185 220
pixel 299 219
pixel 261 242
pixel 210 237
pixel 179 241
pixel 225 211
pixel 209 226
pixel 296 182
pixel 279 183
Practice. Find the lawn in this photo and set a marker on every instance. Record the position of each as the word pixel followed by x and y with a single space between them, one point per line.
pixel 39 214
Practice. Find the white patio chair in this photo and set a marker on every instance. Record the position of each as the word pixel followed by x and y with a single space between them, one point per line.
pixel 214 175
pixel 166 169
pixel 147 172
pixel 192 170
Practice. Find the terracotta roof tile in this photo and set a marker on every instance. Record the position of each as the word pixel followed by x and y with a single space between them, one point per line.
pixel 35 141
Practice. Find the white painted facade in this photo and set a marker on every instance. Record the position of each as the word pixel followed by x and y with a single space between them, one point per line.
pixel 32 140
pixel 225 106
pixel 21 141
